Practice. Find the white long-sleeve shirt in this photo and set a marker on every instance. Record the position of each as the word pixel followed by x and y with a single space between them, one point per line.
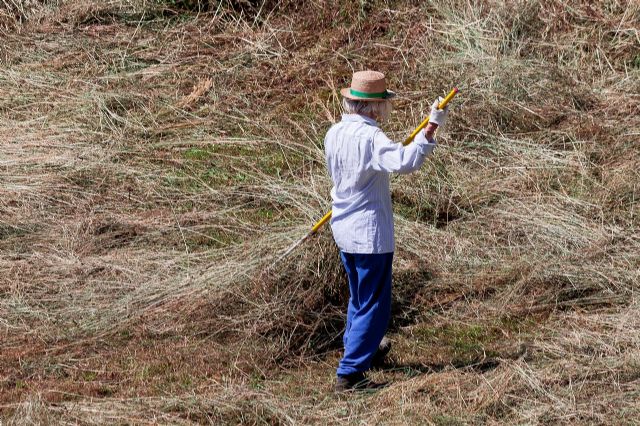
pixel 359 159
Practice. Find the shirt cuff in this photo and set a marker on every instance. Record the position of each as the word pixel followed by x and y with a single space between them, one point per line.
pixel 425 146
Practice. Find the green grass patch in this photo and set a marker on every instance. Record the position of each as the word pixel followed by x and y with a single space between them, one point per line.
pixel 445 420
pixel 459 343
pixel 517 325
pixel 89 376
pixel 223 165
pixel 212 239
pixel 197 154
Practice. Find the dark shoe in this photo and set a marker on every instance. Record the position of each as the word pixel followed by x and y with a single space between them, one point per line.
pixel 383 350
pixel 356 382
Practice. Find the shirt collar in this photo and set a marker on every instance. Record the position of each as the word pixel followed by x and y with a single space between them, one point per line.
pixel 359 119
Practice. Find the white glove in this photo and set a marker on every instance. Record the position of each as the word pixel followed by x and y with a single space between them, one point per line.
pixel 438 116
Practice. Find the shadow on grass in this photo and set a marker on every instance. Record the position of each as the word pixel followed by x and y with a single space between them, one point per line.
pixel 414 369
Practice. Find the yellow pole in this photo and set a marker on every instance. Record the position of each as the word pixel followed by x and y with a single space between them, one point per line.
pixel 410 139
pixel 321 222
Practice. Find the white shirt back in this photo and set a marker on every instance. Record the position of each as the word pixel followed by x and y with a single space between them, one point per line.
pixel 359 159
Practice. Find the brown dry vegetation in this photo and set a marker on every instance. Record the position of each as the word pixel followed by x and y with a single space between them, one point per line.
pixel 157 156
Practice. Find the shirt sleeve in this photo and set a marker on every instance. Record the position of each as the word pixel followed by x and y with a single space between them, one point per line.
pixel 391 157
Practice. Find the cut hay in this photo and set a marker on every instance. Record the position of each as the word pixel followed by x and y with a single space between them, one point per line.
pixel 159 157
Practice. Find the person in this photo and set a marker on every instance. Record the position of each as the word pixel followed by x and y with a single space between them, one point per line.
pixel 359 159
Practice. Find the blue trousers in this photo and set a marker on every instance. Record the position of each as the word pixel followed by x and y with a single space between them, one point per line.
pixel 369 308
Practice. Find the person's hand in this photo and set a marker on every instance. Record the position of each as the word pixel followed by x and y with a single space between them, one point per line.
pixel 438 116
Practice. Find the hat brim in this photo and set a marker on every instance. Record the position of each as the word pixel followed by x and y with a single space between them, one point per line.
pixel 347 94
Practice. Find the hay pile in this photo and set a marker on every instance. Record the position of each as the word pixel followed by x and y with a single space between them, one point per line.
pixel 14 13
pixel 159 156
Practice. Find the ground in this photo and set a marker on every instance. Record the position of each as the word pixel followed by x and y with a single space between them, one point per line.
pixel 159 156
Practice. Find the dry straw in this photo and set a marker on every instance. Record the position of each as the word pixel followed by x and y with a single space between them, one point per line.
pixel 156 158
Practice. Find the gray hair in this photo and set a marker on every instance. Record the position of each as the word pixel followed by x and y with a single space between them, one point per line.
pixel 378 109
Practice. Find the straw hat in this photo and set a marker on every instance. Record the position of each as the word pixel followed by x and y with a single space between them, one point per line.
pixel 368 86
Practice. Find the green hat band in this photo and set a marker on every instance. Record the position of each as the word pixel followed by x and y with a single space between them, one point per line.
pixel 368 95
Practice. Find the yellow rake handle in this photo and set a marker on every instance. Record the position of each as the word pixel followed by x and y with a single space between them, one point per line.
pixel 422 125
pixel 412 136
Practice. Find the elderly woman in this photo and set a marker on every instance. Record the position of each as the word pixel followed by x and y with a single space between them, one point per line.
pixel 359 159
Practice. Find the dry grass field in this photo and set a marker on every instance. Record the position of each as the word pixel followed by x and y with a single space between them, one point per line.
pixel 158 155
